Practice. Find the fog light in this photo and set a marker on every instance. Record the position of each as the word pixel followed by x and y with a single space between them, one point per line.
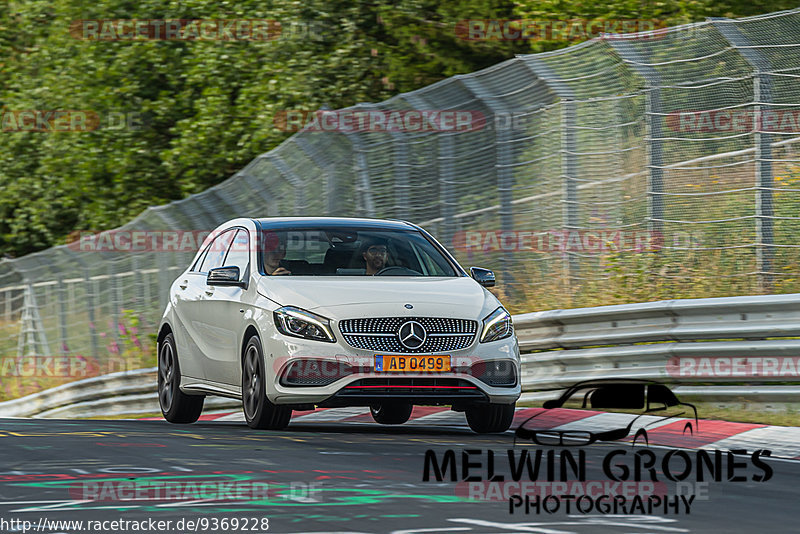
pixel 496 372
pixel 314 372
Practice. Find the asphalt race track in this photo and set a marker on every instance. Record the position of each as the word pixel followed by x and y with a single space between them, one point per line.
pixel 334 477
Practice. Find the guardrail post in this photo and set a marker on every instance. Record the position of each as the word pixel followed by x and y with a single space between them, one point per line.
pixel 762 96
pixel 654 133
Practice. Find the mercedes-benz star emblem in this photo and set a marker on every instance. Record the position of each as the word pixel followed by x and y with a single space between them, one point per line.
pixel 412 335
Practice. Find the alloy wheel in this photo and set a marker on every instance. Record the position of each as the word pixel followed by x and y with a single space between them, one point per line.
pixel 166 370
pixel 253 387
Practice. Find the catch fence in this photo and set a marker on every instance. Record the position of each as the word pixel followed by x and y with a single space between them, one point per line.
pixel 658 165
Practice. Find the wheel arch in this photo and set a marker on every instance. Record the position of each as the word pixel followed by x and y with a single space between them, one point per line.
pixel 163 332
pixel 249 332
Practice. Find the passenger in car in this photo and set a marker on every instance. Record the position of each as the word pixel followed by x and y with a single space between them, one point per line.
pixel 274 252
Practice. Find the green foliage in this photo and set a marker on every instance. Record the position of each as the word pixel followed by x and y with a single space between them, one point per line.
pixel 207 108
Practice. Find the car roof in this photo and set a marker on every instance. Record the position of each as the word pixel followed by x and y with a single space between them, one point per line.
pixel 331 222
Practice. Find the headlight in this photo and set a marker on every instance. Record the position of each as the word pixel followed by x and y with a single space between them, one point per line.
pixel 300 323
pixel 497 326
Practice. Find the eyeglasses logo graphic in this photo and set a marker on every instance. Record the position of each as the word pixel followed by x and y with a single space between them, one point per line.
pixel 412 335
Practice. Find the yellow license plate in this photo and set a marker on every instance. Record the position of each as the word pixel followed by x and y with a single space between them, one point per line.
pixel 416 364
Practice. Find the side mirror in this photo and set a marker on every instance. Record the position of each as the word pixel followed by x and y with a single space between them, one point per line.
pixel 225 276
pixel 484 277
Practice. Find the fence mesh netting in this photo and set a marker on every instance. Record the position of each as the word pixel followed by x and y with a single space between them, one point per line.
pixel 660 165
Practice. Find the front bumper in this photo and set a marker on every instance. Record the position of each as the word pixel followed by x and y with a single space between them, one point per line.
pixel 366 386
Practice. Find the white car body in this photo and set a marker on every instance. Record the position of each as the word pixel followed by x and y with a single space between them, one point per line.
pixel 212 324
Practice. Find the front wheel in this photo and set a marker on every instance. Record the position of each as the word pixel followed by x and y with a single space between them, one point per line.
pixel 391 414
pixel 490 418
pixel 176 406
pixel 259 412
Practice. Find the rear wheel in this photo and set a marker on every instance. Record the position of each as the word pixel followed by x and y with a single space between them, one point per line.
pixel 490 418
pixel 176 406
pixel 259 412
pixel 391 414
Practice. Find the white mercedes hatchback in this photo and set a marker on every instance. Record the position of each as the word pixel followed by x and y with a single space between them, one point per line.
pixel 297 313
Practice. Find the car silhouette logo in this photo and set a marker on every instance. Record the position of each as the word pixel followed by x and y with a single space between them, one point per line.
pixel 412 335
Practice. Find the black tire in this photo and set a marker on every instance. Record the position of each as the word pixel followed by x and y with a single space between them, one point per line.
pixel 259 412
pixel 391 414
pixel 176 406
pixel 490 418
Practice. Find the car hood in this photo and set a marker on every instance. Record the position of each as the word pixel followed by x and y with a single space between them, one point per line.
pixel 352 297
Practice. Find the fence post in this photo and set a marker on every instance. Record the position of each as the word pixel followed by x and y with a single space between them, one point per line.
pixel 654 133
pixel 446 174
pixel 300 204
pixel 62 316
pixel 762 96
pixel 401 187
pixel 569 143
pixel 113 302
pixel 361 168
pixel 32 333
pixel 570 218
pixel 90 297
pixel 448 202
pixel 90 310
pixel 328 170
pixel 8 294
pixel 504 176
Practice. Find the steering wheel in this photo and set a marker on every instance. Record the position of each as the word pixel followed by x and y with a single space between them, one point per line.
pixel 397 270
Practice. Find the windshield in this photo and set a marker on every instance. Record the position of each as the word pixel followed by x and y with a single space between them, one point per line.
pixel 351 252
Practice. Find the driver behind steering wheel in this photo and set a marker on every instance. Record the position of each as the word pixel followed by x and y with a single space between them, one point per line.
pixel 375 252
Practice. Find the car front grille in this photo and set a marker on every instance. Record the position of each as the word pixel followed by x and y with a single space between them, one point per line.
pixel 380 334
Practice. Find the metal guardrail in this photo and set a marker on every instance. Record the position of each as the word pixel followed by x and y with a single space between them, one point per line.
pixel 128 392
pixel 560 348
